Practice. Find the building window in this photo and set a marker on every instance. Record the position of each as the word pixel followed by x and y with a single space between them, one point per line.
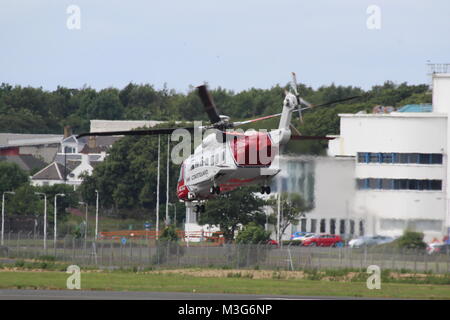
pixel 398 184
pixel 388 157
pixel 332 226
pixel 342 227
pixel 361 228
pixel 411 158
pixel 374 157
pixel 352 227
pixel 303 225
pixel 322 226
pixel 436 158
pixel 414 158
pixel 313 225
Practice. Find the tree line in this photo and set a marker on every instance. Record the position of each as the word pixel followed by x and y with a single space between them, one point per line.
pixel 35 110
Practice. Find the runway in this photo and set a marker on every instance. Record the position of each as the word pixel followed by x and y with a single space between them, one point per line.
pixel 12 294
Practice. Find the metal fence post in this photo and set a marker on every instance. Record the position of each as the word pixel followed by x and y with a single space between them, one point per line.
pixel 73 249
pixel 237 255
pixel 17 245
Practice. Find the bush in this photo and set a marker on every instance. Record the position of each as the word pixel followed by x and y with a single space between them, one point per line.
pixel 169 234
pixel 167 246
pixel 411 240
pixel 253 234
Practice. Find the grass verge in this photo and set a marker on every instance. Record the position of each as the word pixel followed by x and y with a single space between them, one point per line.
pixel 173 282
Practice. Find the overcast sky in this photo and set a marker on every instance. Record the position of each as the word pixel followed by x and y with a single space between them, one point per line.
pixel 235 44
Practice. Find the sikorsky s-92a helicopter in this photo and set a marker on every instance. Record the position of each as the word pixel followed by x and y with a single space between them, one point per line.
pixel 228 158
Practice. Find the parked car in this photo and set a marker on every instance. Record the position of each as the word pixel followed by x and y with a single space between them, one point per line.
pixel 323 240
pixel 369 241
pixel 438 248
pixel 301 235
pixel 272 242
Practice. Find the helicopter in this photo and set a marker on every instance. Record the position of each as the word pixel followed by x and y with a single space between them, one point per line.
pixel 227 157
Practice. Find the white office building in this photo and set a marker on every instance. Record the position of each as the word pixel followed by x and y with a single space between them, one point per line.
pixel 401 165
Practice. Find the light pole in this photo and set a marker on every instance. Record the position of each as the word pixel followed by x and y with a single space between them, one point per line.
pixel 45 217
pixel 86 221
pixel 3 211
pixel 157 190
pixel 175 216
pixel 54 220
pixel 167 183
pixel 96 216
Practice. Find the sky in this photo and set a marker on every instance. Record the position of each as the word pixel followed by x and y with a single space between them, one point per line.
pixel 234 44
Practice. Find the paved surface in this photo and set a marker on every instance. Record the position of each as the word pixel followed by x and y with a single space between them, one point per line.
pixel 11 294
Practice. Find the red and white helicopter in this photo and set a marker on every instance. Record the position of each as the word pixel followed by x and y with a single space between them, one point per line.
pixel 228 158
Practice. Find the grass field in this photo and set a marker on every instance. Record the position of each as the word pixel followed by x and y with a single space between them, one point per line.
pixel 230 282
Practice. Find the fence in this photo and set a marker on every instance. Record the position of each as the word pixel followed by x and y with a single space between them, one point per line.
pixel 150 253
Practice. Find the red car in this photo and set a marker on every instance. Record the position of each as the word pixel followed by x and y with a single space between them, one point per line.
pixel 323 240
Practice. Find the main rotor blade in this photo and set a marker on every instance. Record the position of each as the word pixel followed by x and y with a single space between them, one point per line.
pixel 208 104
pixel 240 123
pixel 145 132
pixel 336 101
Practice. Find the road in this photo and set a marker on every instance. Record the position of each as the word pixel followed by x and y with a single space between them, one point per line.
pixel 11 294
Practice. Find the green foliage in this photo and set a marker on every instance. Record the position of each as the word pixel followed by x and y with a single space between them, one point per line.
pixel 26 202
pixel 253 234
pixel 241 206
pixel 11 176
pixel 411 240
pixel 126 180
pixel 169 234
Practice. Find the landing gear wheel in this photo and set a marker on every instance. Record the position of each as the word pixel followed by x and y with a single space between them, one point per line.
pixel 265 189
pixel 196 208
pixel 202 208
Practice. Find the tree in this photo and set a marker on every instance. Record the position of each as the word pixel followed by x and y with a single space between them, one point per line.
pixel 232 209
pixel 411 240
pixel 127 178
pixel 253 233
pixel 292 207
pixel 11 176
pixel 26 202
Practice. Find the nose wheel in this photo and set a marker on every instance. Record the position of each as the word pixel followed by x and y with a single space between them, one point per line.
pixel 265 189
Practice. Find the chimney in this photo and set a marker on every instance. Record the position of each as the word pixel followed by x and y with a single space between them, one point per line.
pixel 67 131
pixel 92 142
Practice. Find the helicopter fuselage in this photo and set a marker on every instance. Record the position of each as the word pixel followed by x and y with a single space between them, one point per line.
pixel 218 167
